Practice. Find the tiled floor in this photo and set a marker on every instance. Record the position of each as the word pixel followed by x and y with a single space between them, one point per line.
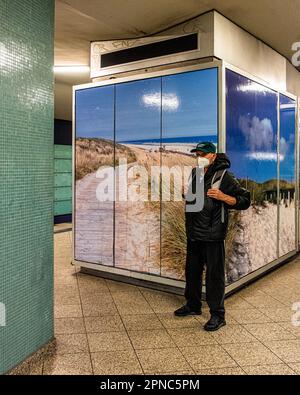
pixel 106 327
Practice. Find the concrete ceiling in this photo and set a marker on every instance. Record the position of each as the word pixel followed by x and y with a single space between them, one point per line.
pixel 78 22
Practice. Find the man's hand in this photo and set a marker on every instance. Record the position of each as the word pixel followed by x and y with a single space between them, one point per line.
pixel 219 195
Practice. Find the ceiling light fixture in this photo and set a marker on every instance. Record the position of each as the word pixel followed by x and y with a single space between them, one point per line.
pixel 71 69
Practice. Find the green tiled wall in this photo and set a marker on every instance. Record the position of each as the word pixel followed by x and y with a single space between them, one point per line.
pixel 62 179
pixel 26 177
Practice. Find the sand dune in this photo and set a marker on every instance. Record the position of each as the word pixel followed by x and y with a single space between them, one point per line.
pixel 255 240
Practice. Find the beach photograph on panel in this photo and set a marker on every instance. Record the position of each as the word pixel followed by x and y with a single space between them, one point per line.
pixel 252 143
pixel 133 127
pixel 137 132
pixel 150 122
pixel 94 148
pixel 190 117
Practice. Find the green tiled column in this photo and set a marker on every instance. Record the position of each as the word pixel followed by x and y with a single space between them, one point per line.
pixel 62 179
pixel 26 178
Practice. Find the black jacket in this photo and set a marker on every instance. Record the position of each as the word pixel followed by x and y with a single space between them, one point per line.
pixel 207 225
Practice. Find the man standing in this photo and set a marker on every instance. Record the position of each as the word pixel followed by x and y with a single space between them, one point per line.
pixel 206 231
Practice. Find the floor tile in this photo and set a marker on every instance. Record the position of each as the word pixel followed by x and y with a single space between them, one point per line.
pixel 69 325
pixel 67 311
pixel 208 357
pixel 187 337
pixel 287 350
pixel 60 280
pixel 251 354
pixel 269 331
pixel 90 279
pixel 96 298
pixel 91 293
pixel 221 372
pixel 230 334
pixel 68 364
pixel 145 339
pixel 237 302
pixel 263 301
pixel 170 321
pixel 129 297
pixel 32 366
pixel 71 343
pixel 66 298
pixel 131 305
pixel 162 360
pixel 66 288
pixel 91 283
pixel 279 314
pixel 117 286
pixel 95 310
pixel 295 367
pixel 166 344
pixel 289 326
pixel 116 363
pixel 105 323
pixel 182 373
pixel 250 291
pixel 113 341
pixel 251 316
pixel 162 302
pixel 273 370
pixel 141 322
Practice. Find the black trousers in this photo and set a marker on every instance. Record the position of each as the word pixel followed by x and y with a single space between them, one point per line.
pixel 211 255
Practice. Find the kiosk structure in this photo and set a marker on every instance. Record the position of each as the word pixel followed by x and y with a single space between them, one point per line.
pixel 151 100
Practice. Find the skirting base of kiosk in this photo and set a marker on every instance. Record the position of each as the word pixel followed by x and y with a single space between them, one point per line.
pixel 134 281
pixel 174 286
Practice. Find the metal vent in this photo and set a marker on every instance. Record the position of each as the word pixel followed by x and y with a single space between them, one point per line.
pixel 153 50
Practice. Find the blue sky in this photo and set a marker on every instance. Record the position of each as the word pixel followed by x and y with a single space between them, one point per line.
pixel 251 124
pixel 287 132
pixel 189 108
pixel 95 112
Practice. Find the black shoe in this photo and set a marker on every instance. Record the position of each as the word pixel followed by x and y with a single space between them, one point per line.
pixel 185 311
pixel 214 323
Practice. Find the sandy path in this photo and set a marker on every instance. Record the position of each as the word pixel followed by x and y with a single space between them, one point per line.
pixel 137 229
pixel 93 223
pixel 137 224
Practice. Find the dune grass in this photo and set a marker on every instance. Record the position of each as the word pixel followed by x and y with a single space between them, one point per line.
pixel 92 153
pixel 173 242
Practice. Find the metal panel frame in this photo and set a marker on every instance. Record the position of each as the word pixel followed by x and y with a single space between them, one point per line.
pixel 297 164
pixel 280 260
pixel 121 273
pixel 157 281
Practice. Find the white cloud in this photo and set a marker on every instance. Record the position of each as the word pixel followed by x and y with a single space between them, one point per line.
pixel 253 87
pixel 260 138
pixel 170 101
pixel 258 133
pixel 290 106
pixel 264 156
pixel 284 147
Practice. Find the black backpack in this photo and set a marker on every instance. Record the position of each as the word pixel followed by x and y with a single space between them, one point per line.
pixel 215 184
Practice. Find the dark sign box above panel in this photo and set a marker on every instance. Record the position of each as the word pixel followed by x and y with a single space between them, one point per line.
pixel 153 50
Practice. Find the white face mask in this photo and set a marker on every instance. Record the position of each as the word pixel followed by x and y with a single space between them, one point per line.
pixel 203 162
